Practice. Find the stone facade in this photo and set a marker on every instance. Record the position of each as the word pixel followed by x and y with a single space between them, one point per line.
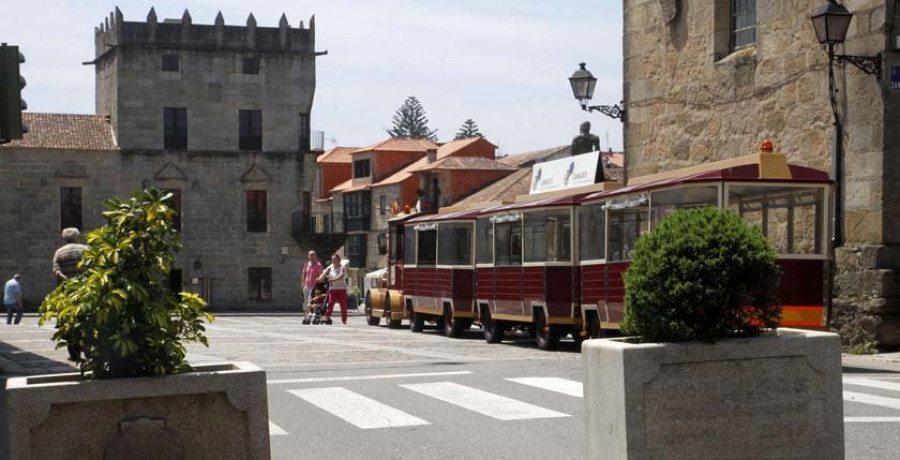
pixel 212 173
pixel 691 101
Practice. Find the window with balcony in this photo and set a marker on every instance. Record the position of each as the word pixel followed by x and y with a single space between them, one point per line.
pixel 357 211
pixel 175 128
pixel 356 250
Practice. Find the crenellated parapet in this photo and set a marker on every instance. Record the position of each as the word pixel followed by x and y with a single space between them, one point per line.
pixel 184 34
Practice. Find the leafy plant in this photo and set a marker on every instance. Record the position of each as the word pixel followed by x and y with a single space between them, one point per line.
pixel 702 274
pixel 119 311
pixel 355 291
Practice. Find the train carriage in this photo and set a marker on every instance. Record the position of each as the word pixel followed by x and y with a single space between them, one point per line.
pixel 787 202
pixel 386 301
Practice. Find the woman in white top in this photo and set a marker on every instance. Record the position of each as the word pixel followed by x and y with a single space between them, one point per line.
pixel 336 274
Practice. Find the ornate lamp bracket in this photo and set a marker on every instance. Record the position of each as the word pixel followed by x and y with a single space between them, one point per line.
pixel 613 111
pixel 871 65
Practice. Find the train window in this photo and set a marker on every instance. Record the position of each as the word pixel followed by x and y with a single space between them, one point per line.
pixel 427 247
pixel 791 218
pixel 484 230
pixel 628 220
pixel 547 236
pixel 394 239
pixel 409 245
pixel 508 243
pixel 669 201
pixel 456 244
pixel 592 228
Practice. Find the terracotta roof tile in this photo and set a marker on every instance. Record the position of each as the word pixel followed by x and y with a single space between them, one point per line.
pixel 65 131
pixel 536 156
pixel 464 163
pixel 399 145
pixel 504 190
pixel 337 155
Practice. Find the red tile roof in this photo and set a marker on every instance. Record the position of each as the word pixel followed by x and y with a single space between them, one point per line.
pixel 65 131
pixel 536 156
pixel 399 145
pixel 337 155
pixel 504 190
pixel 464 163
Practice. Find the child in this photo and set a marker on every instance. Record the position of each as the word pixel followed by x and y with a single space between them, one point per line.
pixel 317 300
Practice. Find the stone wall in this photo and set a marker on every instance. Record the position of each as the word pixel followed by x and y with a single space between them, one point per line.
pixel 214 228
pixel 691 102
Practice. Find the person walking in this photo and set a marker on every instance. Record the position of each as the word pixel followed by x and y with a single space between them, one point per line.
pixel 65 266
pixel 337 293
pixel 312 270
pixel 12 298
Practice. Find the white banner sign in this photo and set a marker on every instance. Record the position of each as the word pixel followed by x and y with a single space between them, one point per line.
pixel 565 173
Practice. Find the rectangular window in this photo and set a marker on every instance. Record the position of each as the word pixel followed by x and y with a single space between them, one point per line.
pixel 259 283
pixel 175 135
pixel 357 211
pixel 395 237
pixel 170 63
pixel 250 66
pixel 356 250
pixel 628 220
pixel 382 241
pixel 361 168
pixel 791 218
pixel 306 204
pixel 257 211
pixel 175 281
pixel 547 236
pixel 409 246
pixel 70 207
pixel 508 243
pixel 250 129
pixel 743 23
pixel 305 146
pixel 382 205
pixel 592 227
pixel 176 203
pixel 669 201
pixel 427 247
pixel 484 238
pixel 455 244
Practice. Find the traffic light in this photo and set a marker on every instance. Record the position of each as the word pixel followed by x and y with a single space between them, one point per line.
pixel 11 102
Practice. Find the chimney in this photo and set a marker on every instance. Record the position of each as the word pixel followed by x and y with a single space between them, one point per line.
pixel 431 155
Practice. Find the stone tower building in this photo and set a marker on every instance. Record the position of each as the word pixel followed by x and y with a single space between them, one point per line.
pixel 707 80
pixel 217 114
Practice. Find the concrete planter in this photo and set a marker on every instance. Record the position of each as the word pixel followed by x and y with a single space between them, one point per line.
pixel 218 411
pixel 776 396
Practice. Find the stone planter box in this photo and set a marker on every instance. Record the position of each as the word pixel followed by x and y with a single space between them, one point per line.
pixel 775 396
pixel 218 411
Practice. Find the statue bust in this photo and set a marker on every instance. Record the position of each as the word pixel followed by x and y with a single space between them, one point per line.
pixel 587 142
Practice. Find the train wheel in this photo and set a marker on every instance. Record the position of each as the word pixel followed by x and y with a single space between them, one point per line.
pixel 493 331
pixel 416 321
pixel 594 330
pixel 370 319
pixel 391 323
pixel 453 327
pixel 547 336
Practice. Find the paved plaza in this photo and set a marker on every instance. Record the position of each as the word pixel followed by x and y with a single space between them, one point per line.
pixel 365 392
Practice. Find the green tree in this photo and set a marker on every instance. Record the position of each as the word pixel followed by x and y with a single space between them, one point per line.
pixel 468 129
pixel 410 122
pixel 119 311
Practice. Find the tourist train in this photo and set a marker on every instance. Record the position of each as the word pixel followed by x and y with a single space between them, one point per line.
pixel 552 263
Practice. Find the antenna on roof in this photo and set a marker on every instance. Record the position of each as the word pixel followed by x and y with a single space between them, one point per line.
pixel 333 141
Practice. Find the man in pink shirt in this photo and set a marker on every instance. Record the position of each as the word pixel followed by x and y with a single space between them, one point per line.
pixel 312 269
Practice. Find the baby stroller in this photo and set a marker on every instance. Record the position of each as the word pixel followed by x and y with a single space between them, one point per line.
pixel 316 308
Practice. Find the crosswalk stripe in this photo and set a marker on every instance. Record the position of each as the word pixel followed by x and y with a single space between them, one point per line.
pixel 490 404
pixel 891 403
pixel 275 430
pixel 871 419
pixel 558 385
pixel 353 378
pixel 357 409
pixel 872 383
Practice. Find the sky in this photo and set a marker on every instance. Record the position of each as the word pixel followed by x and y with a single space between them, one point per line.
pixel 504 64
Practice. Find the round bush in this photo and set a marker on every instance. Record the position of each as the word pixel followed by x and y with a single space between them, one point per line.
pixel 701 274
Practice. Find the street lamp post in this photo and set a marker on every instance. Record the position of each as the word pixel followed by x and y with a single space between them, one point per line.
pixel 830 23
pixel 583 84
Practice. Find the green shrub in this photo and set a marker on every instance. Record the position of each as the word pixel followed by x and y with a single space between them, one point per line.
pixel 702 274
pixel 119 311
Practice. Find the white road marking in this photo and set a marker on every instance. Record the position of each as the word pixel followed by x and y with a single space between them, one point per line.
pixel 473 399
pixel 872 383
pixel 871 419
pixel 890 403
pixel 357 409
pixel 556 384
pixel 275 430
pixel 366 377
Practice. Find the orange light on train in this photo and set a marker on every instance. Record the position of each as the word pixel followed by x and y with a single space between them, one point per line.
pixel 767 146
